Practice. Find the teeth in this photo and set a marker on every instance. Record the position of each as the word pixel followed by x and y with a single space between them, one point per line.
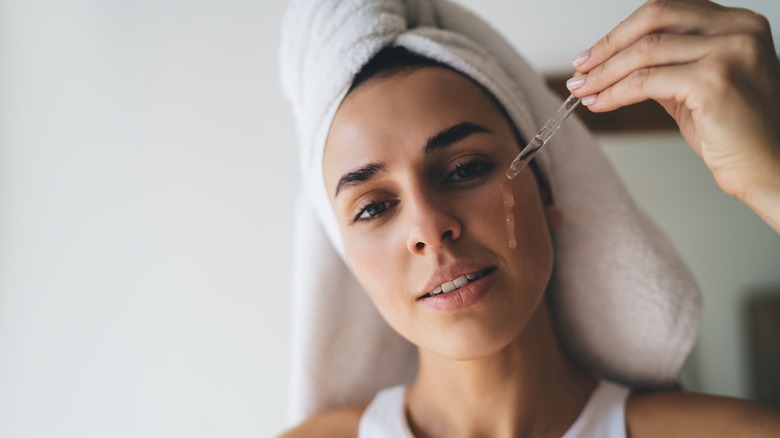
pixel 456 283
pixel 460 281
pixel 448 287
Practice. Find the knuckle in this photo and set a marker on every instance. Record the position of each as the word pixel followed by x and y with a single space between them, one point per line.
pixel 716 76
pixel 749 50
pixel 764 26
pixel 608 42
pixel 758 23
pixel 639 78
pixel 648 45
pixel 656 8
pixel 595 75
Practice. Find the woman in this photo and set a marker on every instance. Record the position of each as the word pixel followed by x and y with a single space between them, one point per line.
pixel 457 258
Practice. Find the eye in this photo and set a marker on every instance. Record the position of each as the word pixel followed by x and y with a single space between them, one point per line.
pixel 373 210
pixel 468 170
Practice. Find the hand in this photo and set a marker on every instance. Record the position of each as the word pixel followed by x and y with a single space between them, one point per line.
pixel 715 71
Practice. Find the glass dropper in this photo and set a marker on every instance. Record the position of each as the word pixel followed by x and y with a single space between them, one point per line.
pixel 541 138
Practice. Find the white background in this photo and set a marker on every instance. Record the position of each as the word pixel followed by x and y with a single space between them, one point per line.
pixel 147 175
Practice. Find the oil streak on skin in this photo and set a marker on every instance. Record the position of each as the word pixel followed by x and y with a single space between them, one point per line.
pixel 509 203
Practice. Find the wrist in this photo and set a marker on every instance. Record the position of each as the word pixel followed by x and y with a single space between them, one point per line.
pixel 762 196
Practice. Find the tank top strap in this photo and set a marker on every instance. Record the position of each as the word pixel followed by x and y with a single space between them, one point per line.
pixel 604 415
pixel 385 416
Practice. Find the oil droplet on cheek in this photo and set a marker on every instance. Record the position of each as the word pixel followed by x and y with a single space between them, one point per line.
pixel 509 217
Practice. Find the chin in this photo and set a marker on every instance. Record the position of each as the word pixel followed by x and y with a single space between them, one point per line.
pixel 474 340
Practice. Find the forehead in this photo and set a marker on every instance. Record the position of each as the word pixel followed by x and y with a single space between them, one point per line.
pixel 390 113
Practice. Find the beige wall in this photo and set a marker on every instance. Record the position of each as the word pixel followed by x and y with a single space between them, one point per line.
pixel 729 250
pixel 549 33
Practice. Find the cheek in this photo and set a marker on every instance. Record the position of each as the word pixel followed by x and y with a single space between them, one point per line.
pixel 533 251
pixel 363 258
pixel 509 217
pixel 505 214
pixel 377 265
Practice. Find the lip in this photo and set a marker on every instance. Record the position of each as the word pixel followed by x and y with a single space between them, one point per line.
pixel 462 297
pixel 450 273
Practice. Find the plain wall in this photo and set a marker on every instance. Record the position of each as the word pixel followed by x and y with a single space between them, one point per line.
pixel 148 168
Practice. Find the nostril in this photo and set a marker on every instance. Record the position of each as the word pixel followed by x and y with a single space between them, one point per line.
pixel 420 245
pixel 447 234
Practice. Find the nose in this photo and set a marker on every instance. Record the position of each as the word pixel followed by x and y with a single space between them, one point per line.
pixel 431 223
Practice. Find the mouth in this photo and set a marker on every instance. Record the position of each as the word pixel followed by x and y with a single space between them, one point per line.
pixel 457 283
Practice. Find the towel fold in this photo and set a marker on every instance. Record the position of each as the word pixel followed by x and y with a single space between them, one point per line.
pixel 623 303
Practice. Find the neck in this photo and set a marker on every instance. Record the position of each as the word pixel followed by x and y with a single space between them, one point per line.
pixel 529 388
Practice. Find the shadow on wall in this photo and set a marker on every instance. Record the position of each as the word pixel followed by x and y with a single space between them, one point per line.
pixel 762 324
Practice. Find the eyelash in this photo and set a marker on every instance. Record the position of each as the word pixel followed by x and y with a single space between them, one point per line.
pixel 482 167
pixel 370 204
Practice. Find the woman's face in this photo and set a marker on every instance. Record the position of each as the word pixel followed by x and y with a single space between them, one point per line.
pixel 414 167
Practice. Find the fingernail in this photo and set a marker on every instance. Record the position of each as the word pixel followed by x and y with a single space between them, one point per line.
pixel 580 58
pixel 589 100
pixel 576 82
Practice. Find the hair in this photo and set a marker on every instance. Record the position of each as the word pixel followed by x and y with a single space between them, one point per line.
pixel 397 60
pixel 392 61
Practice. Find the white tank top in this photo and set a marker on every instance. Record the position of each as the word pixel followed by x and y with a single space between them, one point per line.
pixel 603 415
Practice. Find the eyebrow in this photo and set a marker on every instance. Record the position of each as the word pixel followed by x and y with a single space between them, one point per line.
pixel 444 138
pixel 452 135
pixel 360 175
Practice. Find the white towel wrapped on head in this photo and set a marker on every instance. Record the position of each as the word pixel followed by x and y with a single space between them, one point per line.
pixel 623 303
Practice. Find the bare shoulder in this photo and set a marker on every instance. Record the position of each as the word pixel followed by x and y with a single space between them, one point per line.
pixel 685 414
pixel 338 423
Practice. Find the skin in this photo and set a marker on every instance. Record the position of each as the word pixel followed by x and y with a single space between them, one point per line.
pixel 715 71
pixel 395 254
pixel 502 348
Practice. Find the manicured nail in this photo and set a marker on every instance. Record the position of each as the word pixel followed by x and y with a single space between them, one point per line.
pixel 589 100
pixel 580 58
pixel 576 82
